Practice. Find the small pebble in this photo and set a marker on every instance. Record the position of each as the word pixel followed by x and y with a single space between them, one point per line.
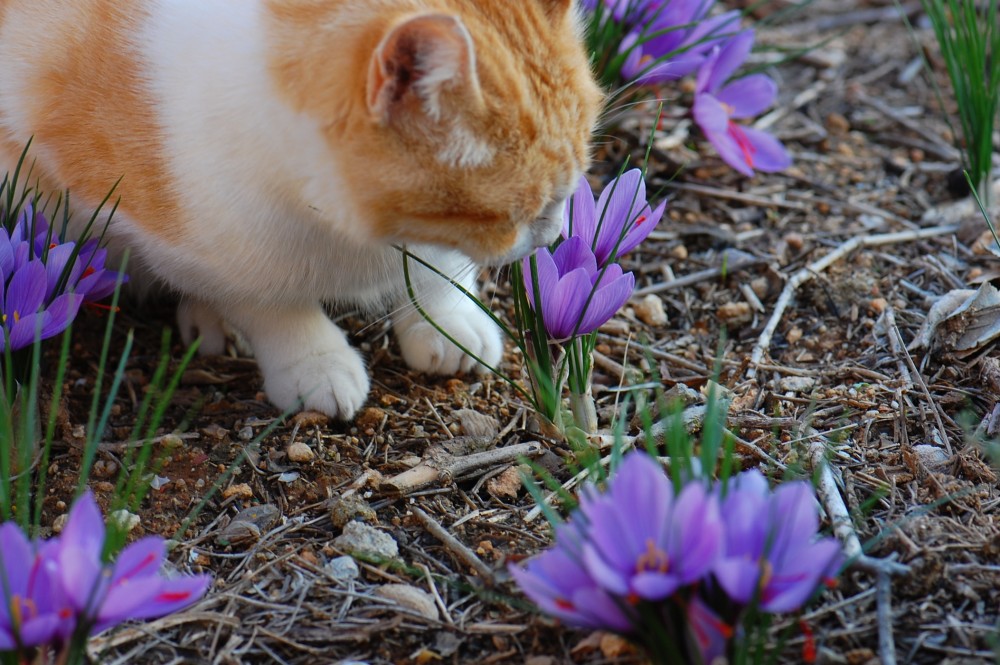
pixel 59 523
pixel 797 384
pixel 343 569
pixel 411 598
pixel 301 453
pixel 240 491
pixel 348 508
pixel 650 310
pixel 124 520
pixel 735 313
pixel 246 434
pixel 365 539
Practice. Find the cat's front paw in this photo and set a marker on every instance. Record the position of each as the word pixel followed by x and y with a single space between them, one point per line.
pixel 427 350
pixel 333 382
pixel 307 362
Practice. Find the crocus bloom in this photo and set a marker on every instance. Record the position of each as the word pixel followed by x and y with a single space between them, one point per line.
pixel 675 42
pixel 42 283
pixel 25 312
pixel 718 104
pixel 771 550
pixel 577 296
pixel 31 611
pixel 560 585
pixel 643 542
pixel 619 221
pixel 131 588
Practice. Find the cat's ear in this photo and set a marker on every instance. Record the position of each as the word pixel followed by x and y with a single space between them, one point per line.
pixel 417 62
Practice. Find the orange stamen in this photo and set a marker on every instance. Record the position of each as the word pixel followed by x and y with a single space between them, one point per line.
pixel 653 560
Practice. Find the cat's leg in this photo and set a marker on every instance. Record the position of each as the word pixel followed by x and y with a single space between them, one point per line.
pixel 427 350
pixel 305 359
pixel 197 319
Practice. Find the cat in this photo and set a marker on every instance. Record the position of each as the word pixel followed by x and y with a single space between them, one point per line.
pixel 273 155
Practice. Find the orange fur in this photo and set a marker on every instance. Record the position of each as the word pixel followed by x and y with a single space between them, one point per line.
pixel 96 121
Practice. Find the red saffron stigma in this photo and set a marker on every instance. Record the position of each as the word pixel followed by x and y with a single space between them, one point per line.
pixel 173 596
pixel 809 646
pixel 564 604
pixel 89 271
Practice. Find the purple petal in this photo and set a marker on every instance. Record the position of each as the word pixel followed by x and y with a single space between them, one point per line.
pixel 55 264
pixel 581 221
pixel 750 96
pixel 123 602
pixel 27 329
pixel 16 557
pixel 696 538
pixel 6 258
pixel 641 228
pixel 738 578
pixel 611 294
pixel 142 558
pixel 769 154
pixel 727 61
pixel 564 305
pixel 26 291
pixel 85 527
pixel 655 586
pixel 734 148
pixel 61 313
pixel 81 575
pixel 620 204
pixel 710 114
pixel 614 581
pixel 573 254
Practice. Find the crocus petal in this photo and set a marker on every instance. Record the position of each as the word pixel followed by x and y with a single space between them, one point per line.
pixel 81 574
pixel 564 306
pixel 55 263
pixel 696 533
pixel 748 97
pixel 710 114
pixel 724 62
pixel 27 329
pixel 142 558
pixel 6 258
pixel 738 578
pixel 85 527
pixel 61 313
pixel 16 556
pixel 612 292
pixel 572 254
pixel 620 203
pixel 26 291
pixel 796 580
pixel 769 154
pixel 641 228
pixel 655 586
pixel 606 576
pixel 734 148
pixel 39 630
pixel 580 218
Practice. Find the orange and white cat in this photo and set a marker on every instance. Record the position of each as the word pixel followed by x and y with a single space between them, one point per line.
pixel 272 152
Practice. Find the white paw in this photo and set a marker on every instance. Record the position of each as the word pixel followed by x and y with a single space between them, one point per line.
pixel 196 319
pixel 426 350
pixel 315 369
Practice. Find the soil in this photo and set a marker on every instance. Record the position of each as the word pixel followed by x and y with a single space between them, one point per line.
pixel 872 156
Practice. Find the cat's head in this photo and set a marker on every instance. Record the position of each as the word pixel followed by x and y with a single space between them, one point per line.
pixel 462 123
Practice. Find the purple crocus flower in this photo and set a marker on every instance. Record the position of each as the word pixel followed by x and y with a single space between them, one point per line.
pixel 31 609
pixel 560 585
pixel 620 220
pixel 644 543
pixel 577 296
pixel 35 300
pixel 771 547
pixel 131 588
pixel 25 311
pixel 718 104
pixel 675 42
pixel 709 634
